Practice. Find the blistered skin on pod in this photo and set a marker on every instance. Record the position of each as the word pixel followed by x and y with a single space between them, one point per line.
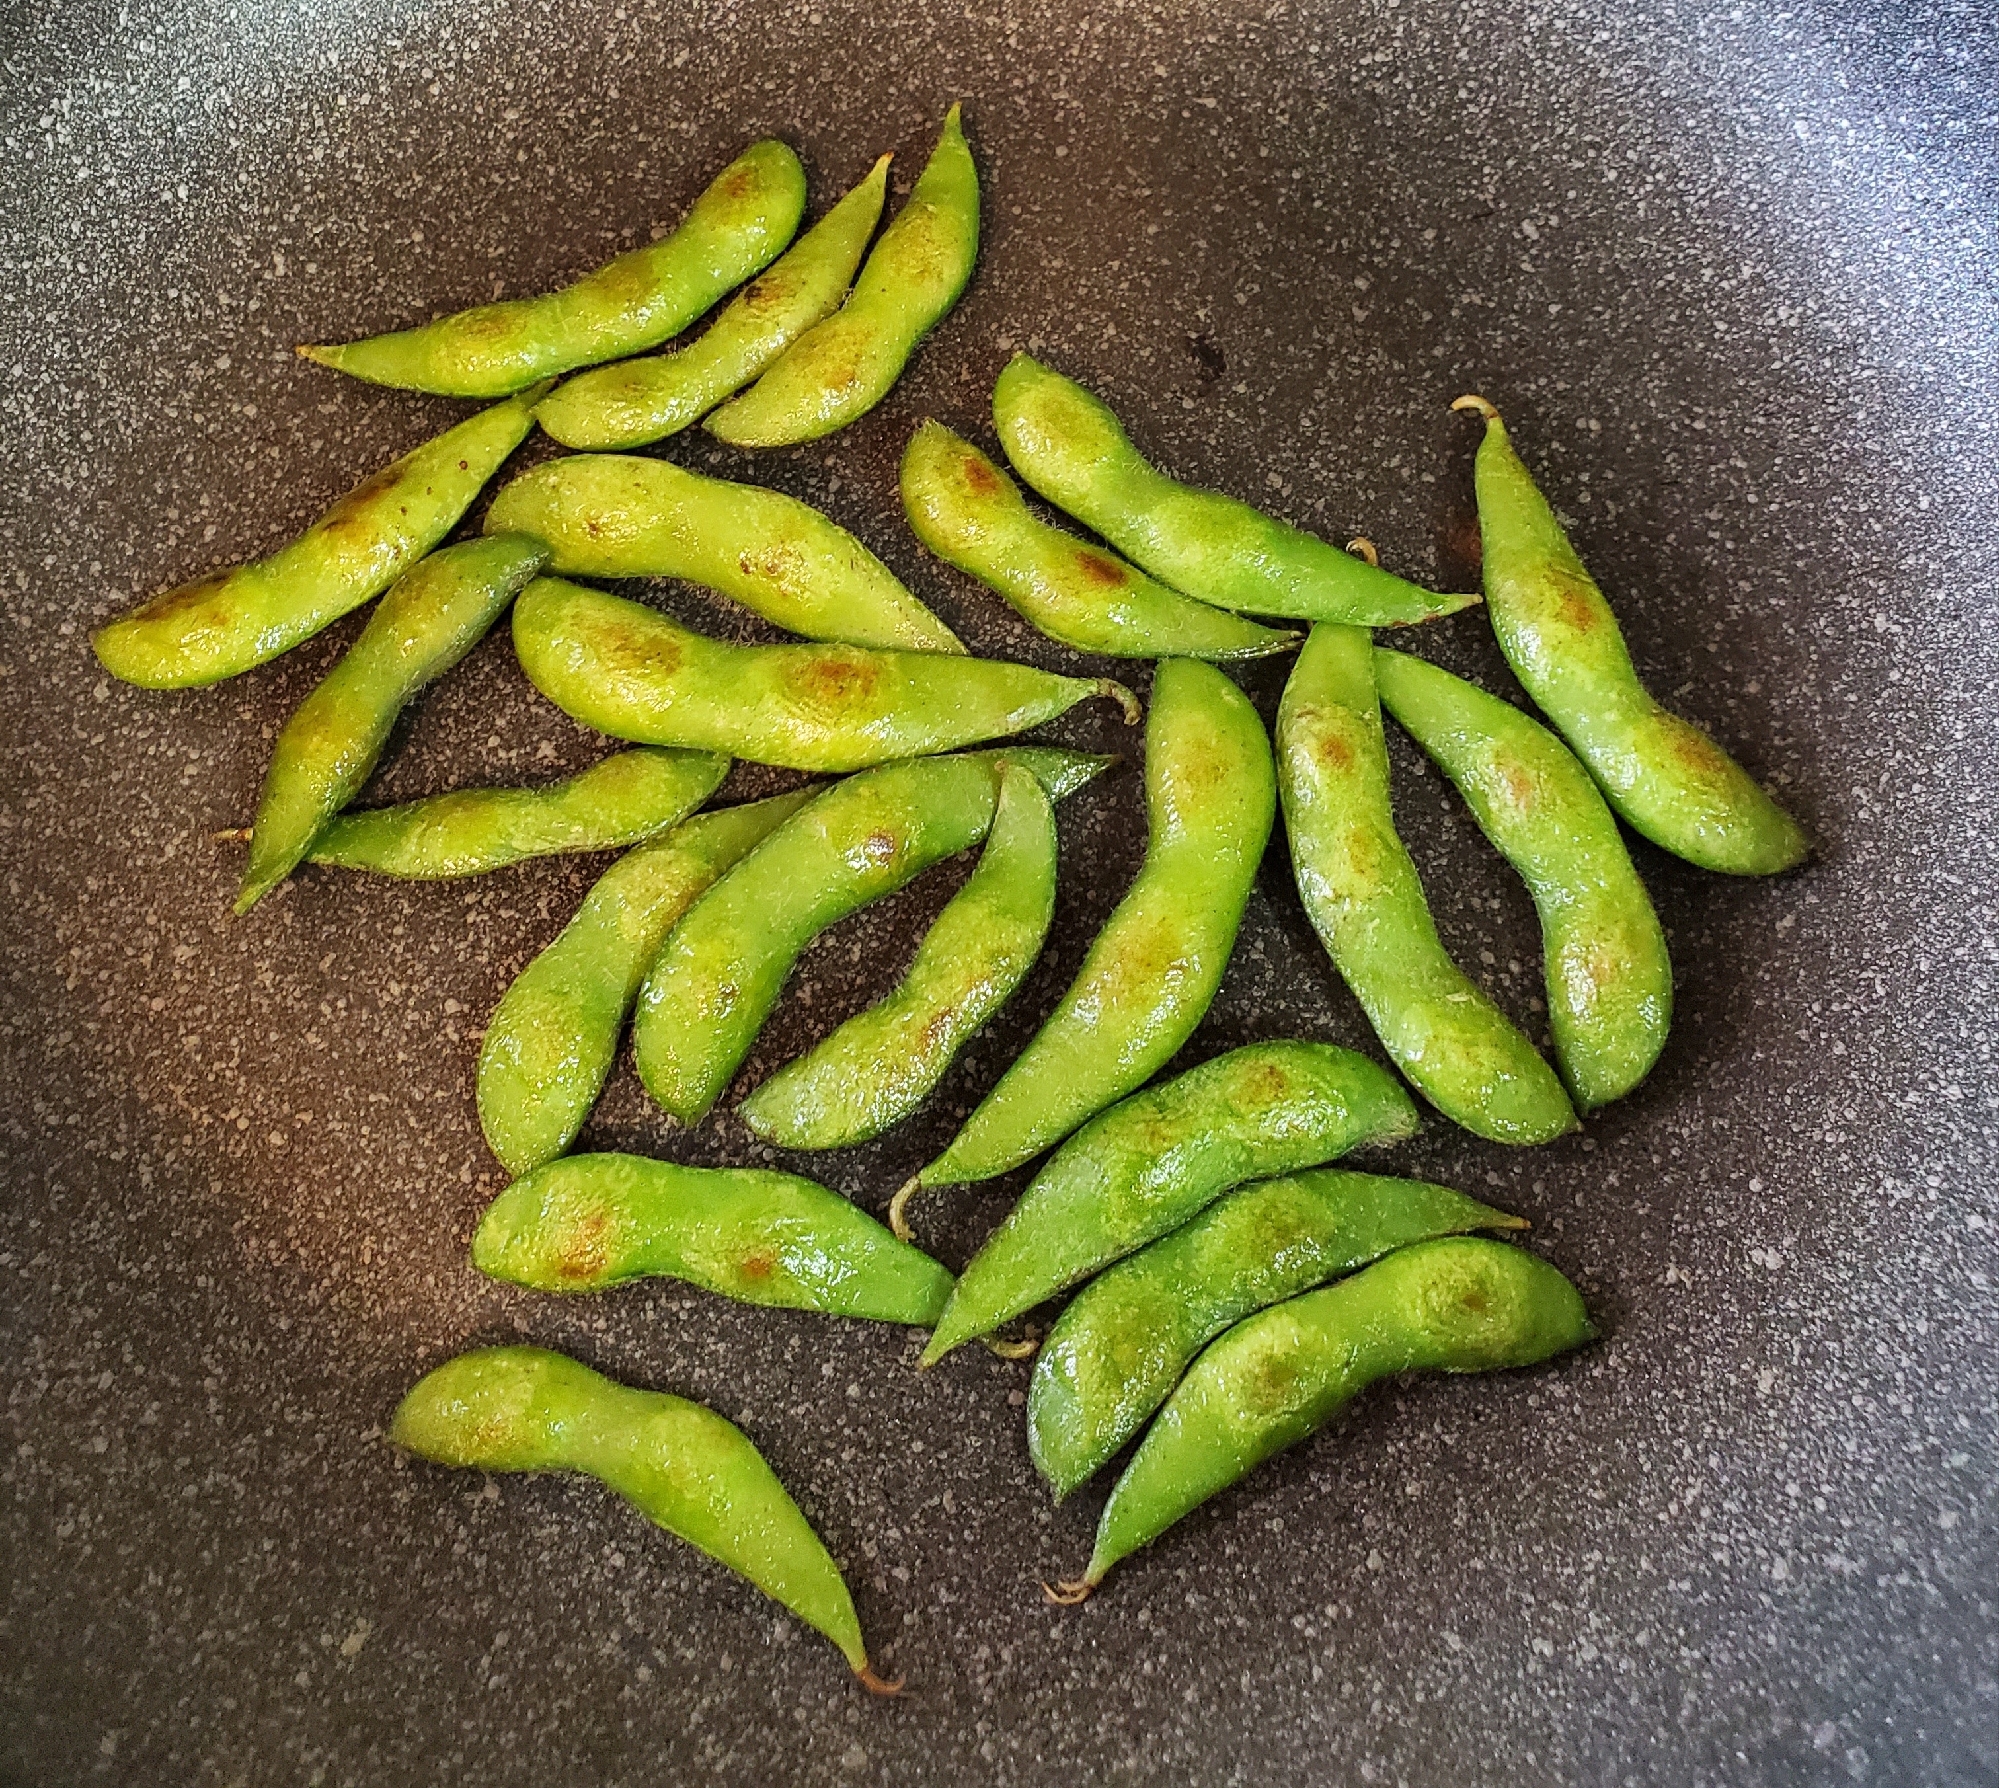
pixel 681 1466
pixel 1122 1344
pixel 1068 446
pixel 841 368
pixel 1147 1165
pixel 588 1222
pixel 881 1064
pixel 554 1034
pixel 638 401
pixel 972 515
pixel 724 966
pixel 431 617
pixel 737 227
pixel 1364 899
pixel 1454 1305
pixel 616 802
pixel 1153 970
pixel 1610 981
pixel 611 515
pixel 221 625
pixel 628 671
pixel 1666 778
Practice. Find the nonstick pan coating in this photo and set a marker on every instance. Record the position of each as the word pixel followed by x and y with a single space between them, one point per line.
pixel 1730 273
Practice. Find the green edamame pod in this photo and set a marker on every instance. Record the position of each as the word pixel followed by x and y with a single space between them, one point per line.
pixel 611 515
pixel 1455 1305
pixel 725 964
pixel 972 515
pixel 628 671
pixel 431 617
pixel 638 401
pixel 221 625
pixel 616 802
pixel 1153 970
pixel 840 369
pixel 738 226
pixel 1066 443
pixel 554 1034
pixel 681 1466
pixel 588 1222
pixel 881 1064
pixel 1364 899
pixel 1147 1165
pixel 1121 1346
pixel 1666 778
pixel 1610 981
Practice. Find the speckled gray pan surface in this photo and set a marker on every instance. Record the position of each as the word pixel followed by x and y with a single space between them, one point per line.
pixel 1731 277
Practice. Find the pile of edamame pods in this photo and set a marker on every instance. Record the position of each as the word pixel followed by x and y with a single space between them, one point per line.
pixel 1235 1288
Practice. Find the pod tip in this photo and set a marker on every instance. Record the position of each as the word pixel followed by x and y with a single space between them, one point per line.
pixel 323 356
pixel 1472 401
pixel 877 1685
pixel 1069 1592
pixel 1363 548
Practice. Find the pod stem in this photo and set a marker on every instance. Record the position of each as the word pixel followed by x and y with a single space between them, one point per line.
pixel 1069 1592
pixel 1024 1349
pixel 898 1221
pixel 232 835
pixel 878 1685
pixel 1363 548
pixel 1471 401
pixel 1124 699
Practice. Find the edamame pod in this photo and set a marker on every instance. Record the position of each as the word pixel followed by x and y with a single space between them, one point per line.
pixel 1067 444
pixel 223 624
pixel 881 1064
pixel 840 369
pixel 588 1222
pixel 725 964
pixel 1153 970
pixel 1455 1305
pixel 1121 1346
pixel 1666 778
pixel 431 617
pixel 1610 981
pixel 617 801
pixel 629 671
pixel 638 401
pixel 1147 1165
pixel 972 515
pixel 611 515
pixel 738 226
pixel 1364 899
pixel 681 1466
pixel 554 1034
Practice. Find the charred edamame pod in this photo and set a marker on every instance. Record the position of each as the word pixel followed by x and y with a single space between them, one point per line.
pixel 638 401
pixel 221 625
pixel 840 369
pixel 1148 1164
pixel 1610 981
pixel 1666 778
pixel 614 515
pixel 736 228
pixel 629 671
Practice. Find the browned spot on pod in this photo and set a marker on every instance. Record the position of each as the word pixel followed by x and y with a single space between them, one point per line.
pixel 585 1251
pixel 980 478
pixel 1100 570
pixel 834 679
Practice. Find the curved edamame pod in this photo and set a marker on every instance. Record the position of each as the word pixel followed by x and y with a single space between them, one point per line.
pixel 1067 444
pixel 1610 981
pixel 554 1034
pixel 840 369
pixel 588 1222
pixel 681 1466
pixel 612 515
pixel 1455 1305
pixel 881 1064
pixel 431 617
pixel 725 964
pixel 1153 970
pixel 1147 1165
pixel 1666 778
pixel 738 225
pixel 638 401
pixel 628 671
pixel 1118 1350
pixel 1366 902
pixel 617 801
pixel 223 624
pixel 972 515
